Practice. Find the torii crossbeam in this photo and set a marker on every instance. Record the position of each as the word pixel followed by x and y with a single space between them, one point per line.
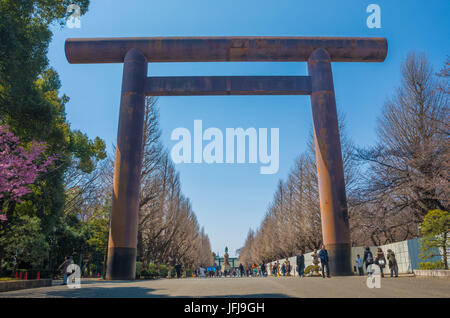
pixel 136 53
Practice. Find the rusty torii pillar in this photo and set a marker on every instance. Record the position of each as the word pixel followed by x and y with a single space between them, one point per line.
pixel 135 53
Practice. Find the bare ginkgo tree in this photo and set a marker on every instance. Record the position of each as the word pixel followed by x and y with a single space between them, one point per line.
pixel 169 232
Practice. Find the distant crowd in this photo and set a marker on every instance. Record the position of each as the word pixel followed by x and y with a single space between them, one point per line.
pixel 369 263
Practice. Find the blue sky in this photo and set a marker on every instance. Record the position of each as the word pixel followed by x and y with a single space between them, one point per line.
pixel 229 199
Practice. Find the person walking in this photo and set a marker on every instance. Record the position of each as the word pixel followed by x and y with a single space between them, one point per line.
pixel 283 269
pixel 300 263
pixel 323 256
pixel 274 270
pixel 392 262
pixel 241 270
pixel 368 260
pixel 288 267
pixel 255 270
pixel 263 269
pixel 178 270
pixel 63 268
pixel 380 260
pixel 359 264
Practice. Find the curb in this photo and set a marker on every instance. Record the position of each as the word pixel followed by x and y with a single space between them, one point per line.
pixel 24 284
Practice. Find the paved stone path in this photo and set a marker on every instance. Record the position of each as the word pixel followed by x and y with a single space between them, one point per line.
pixel 248 287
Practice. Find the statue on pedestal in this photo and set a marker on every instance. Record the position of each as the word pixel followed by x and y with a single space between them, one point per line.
pixel 226 262
pixel 315 262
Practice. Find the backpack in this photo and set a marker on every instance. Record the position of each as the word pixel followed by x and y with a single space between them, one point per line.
pixel 369 258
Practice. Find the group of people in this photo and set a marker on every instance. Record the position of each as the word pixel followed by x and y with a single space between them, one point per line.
pixel 275 269
pixel 379 260
pixel 324 261
pixel 281 270
pixel 369 260
pixel 207 272
pixel 263 270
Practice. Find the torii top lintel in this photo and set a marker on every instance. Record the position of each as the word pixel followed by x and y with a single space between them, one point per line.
pixel 225 49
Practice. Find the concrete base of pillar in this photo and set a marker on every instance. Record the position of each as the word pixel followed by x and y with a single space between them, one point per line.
pixel 340 259
pixel 121 263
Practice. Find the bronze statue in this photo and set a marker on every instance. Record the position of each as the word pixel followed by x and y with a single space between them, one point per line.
pixel 315 262
pixel 226 256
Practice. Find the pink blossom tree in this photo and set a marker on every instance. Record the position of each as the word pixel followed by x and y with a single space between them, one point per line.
pixel 19 166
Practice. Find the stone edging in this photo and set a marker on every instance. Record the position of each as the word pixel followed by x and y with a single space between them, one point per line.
pixel 24 284
pixel 433 272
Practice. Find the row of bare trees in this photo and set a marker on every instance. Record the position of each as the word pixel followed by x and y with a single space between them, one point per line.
pixel 169 232
pixel 390 186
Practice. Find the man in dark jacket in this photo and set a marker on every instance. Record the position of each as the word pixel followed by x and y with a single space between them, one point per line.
pixel 274 270
pixel 263 269
pixel 323 256
pixel 178 270
pixel 300 263
pixel 63 268
pixel 241 270
pixel 368 260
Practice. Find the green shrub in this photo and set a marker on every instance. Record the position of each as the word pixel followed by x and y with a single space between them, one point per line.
pixel 139 269
pixel 152 271
pixel 163 270
pixel 438 265
pixel 431 265
pixel 434 227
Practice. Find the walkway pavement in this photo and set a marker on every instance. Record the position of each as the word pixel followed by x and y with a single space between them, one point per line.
pixel 248 287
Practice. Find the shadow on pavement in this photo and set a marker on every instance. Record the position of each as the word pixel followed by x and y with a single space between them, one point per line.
pixel 100 281
pixel 101 292
pixel 247 296
pixel 140 292
pixel 89 290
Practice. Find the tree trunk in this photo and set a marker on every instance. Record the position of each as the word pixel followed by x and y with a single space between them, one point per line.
pixel 104 263
pixel 444 247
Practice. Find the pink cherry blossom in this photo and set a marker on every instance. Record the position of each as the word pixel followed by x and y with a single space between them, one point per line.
pixel 19 167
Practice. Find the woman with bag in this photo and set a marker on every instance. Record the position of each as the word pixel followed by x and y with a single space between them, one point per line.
pixel 392 263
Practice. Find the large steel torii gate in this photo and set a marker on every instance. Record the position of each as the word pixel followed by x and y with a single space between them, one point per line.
pixel 135 53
